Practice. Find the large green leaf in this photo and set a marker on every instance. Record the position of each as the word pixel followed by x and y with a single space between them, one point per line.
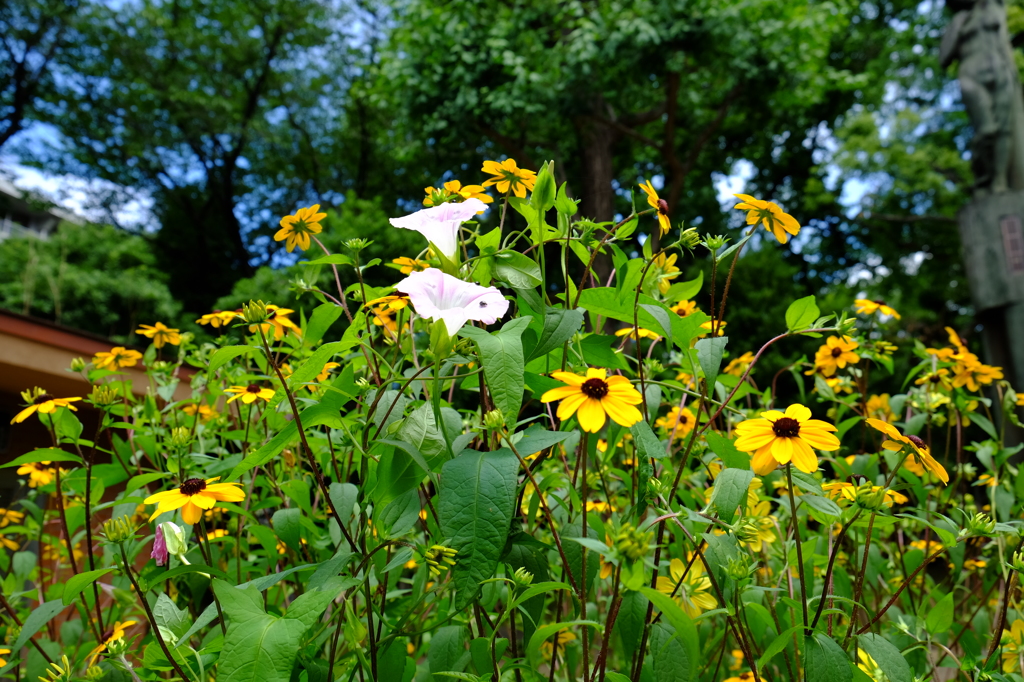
pixel 476 499
pixel 709 355
pixel 42 615
pixel 940 618
pixel 260 647
pixel 646 442
pixel 888 657
pixel 726 450
pixel 608 302
pixel 825 661
pixel 559 326
pixel 43 455
pixel 801 313
pixel 687 657
pixel 447 650
pixel 322 318
pixel 669 660
pixel 502 356
pixel 227 354
pixel 76 583
pixel 519 271
pixel 730 492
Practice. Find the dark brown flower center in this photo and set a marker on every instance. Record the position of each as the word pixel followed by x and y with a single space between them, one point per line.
pixel 662 207
pixel 879 302
pixel 192 486
pixel 836 352
pixel 595 388
pixel 44 398
pixel 253 388
pixel 786 427
pixel 917 441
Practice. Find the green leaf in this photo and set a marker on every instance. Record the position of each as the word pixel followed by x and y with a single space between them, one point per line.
pixel 313 365
pixel 227 354
pixel 664 319
pixel 777 645
pixel 685 290
pixel 543 196
pixel 887 657
pixel 260 647
pixel 534 440
pixel 559 326
pixel 137 482
pixel 76 583
pixel 324 315
pixel 43 455
pixel 548 631
pixel 730 492
pixel 476 501
pixel 501 354
pixel 822 508
pixel 724 448
pixel 574 554
pixel 709 355
pixel 563 204
pixel 688 657
pixel 333 259
pixel 39 617
pixel 801 313
pixel 608 302
pixel 940 617
pixel 169 617
pixel 825 661
pixel 287 524
pixel 630 623
pixel 517 270
pixel 447 648
pixel 646 442
pixel 487 245
pixel 598 352
pixel 669 659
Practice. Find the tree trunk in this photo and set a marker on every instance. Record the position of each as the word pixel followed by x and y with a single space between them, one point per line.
pixel 597 198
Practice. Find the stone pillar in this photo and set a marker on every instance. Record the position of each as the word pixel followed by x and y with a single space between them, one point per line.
pixel 992 232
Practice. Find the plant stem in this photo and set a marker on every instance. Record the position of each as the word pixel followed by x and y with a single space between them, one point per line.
pixel 796 538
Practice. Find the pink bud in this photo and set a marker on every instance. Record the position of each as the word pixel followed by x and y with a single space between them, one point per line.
pixel 159 548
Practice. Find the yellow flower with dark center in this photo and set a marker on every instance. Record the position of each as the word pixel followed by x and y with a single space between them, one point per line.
pixel 656 202
pixel 9 516
pixel 685 308
pixel 116 358
pixel 509 176
pixel 160 333
pixel 694 592
pixel 937 380
pixel 677 421
pixel 44 403
pixel 896 442
pixel 409 265
pixel 205 412
pixel 593 397
pixel 774 219
pixel 866 306
pixel 719 328
pixel 219 318
pixel 250 394
pixel 640 332
pixel 665 270
pixel 193 496
pixel 277 318
pixel 742 677
pixel 835 354
pixel 296 229
pixel 39 473
pixel 116 632
pixel 737 366
pixel 392 303
pixel 454 191
pixel 878 407
pixel 1012 644
pixel 779 438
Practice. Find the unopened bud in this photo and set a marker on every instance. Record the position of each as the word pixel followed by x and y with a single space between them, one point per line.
pixel 981 525
pixel 522 577
pixel 180 437
pixel 119 529
pixel 870 497
pixel 254 312
pixel 174 537
pixel 738 568
pixel 357 244
pixel 30 394
pixel 714 242
pixel 656 488
pixel 632 543
pixel 494 420
pixel 77 365
pixel 437 556
pixel 1017 562
pixel 689 238
pixel 103 396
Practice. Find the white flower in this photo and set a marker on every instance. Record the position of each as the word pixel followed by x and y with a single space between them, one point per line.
pixel 440 224
pixel 174 536
pixel 437 296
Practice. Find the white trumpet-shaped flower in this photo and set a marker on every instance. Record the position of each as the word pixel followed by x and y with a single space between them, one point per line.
pixel 440 224
pixel 438 296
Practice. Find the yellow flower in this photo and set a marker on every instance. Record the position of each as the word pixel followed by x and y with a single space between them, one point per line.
pixel 1013 646
pixel 693 594
pixel 193 496
pixel 896 442
pixel 774 219
pixel 297 228
pixel 742 677
pixel 160 333
pixel 974 564
pixel 779 438
pixel 665 270
pixel 277 317
pixel 599 506
pixel 757 526
pixel 641 332
pixel 654 201
pixel 14 546
pixel 594 396
pixel 115 633
pixel 737 655
pixel 719 331
pixel 117 358
pixel 866 306
pixel 564 637
pixel 326 372
pixel 835 354
pixel 219 318
pixel 878 406
pixel 206 413
pixel 39 473
pixel 679 421
pixel 939 379
pixel 249 394
pixel 410 265
pixel 9 516
pixel 737 366
pixel 44 403
pixel 685 308
pixel 217 533
pixel 454 191
pixel 508 176
pixel 391 303
pixel 985 480
pixel 974 374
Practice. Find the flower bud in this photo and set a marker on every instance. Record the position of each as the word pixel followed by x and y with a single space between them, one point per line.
pixel 58 672
pixel 870 497
pixel 1017 562
pixel 357 244
pixel 94 672
pixel 689 238
pixel 77 365
pixel 30 394
pixel 438 555
pixel 494 420
pixel 254 312
pixel 119 529
pixel 180 437
pixel 715 242
pixel 117 647
pixel 104 396
pixel 174 537
pixel 738 568
pixel 159 548
pixel 981 525
pixel 632 543
pixel 522 577
pixel 656 488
